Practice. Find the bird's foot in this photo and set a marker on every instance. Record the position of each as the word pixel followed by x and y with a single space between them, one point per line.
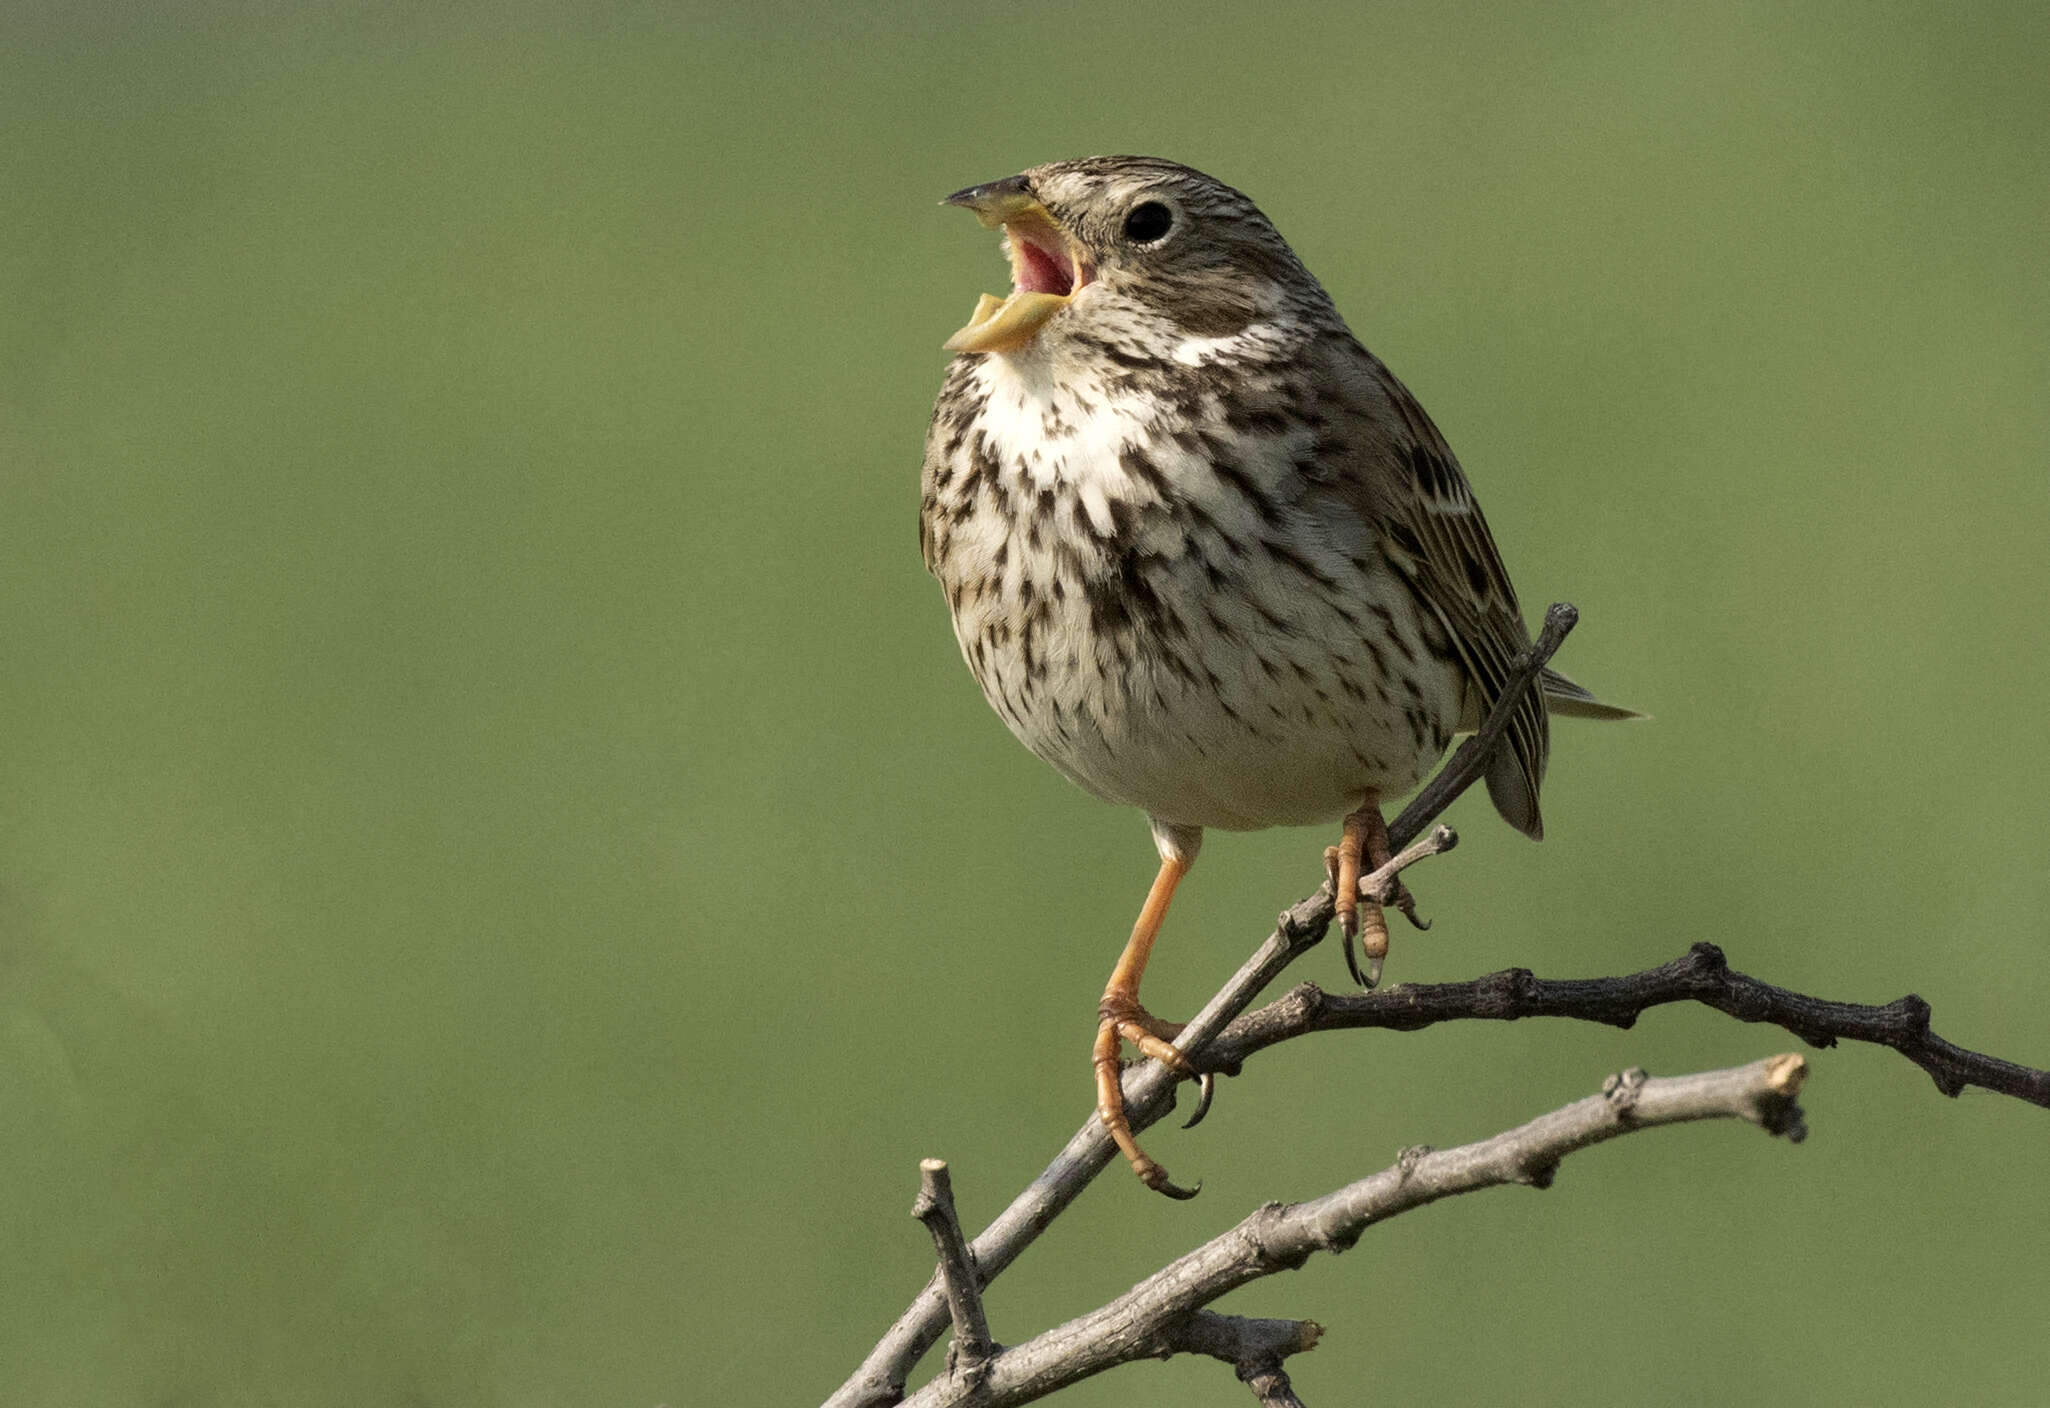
pixel 1360 907
pixel 1375 889
pixel 1120 1019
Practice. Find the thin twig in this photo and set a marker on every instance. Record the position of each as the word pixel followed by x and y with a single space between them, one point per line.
pixel 1702 974
pixel 935 1208
pixel 1281 1237
pixel 1149 1088
pixel 1470 759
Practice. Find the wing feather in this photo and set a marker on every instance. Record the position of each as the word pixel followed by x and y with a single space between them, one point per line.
pixel 1398 473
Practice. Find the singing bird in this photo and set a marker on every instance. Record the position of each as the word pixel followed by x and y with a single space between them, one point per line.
pixel 1205 555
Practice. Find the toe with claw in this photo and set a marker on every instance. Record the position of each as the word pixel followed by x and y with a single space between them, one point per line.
pixel 1363 846
pixel 1119 1020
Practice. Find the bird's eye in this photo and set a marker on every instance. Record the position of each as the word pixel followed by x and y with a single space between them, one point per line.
pixel 1148 221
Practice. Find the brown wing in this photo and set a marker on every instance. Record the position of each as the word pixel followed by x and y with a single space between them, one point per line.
pixel 1398 473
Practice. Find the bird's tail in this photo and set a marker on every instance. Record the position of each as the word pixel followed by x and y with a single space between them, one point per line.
pixel 1511 785
pixel 1568 700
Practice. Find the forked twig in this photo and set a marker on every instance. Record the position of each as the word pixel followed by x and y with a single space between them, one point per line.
pixel 1149 1089
pixel 1281 1237
pixel 934 1207
pixel 1220 1039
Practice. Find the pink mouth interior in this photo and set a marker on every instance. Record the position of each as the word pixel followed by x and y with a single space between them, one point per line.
pixel 1039 270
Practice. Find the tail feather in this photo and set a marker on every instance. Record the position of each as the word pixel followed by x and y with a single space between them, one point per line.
pixel 1568 700
pixel 1514 790
pixel 1509 788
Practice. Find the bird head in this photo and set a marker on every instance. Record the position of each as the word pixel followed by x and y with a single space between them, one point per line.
pixel 1114 245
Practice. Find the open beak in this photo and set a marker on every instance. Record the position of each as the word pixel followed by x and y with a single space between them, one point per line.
pixel 1048 268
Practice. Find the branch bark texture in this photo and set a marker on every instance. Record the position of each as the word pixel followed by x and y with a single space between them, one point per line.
pixel 934 1207
pixel 1149 1091
pixel 1702 975
pixel 1281 1237
pixel 1220 1039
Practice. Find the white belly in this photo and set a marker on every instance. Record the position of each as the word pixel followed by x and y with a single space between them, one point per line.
pixel 1273 690
pixel 1242 730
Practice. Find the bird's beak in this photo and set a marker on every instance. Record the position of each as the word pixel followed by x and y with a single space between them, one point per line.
pixel 1048 267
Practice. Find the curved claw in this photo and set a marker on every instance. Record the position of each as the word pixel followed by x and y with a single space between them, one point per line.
pixel 1206 1087
pixel 1406 902
pixel 1161 1184
pixel 1352 961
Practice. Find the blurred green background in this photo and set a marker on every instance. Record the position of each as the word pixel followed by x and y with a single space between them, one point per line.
pixel 503 873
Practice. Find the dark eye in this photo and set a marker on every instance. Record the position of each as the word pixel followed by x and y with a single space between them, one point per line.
pixel 1147 222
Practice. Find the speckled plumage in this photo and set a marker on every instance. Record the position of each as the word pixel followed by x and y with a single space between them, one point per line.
pixel 1205 555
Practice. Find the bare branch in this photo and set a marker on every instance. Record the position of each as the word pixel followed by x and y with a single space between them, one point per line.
pixel 1254 1348
pixel 1281 1237
pixel 1149 1094
pixel 1149 1090
pixel 1701 975
pixel 935 1208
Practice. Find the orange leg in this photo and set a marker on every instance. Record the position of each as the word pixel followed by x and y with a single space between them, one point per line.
pixel 1362 847
pixel 1121 1018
